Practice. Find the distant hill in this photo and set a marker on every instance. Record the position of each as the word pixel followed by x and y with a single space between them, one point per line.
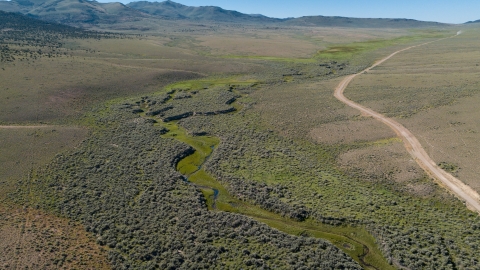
pixel 78 12
pixel 172 10
pixel 336 21
pixel 469 22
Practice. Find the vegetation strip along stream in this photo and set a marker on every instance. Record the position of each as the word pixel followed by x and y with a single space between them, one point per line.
pixel 354 241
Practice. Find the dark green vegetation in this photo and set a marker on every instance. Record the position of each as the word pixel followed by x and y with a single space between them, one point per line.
pixel 185 104
pixel 76 12
pixel 451 168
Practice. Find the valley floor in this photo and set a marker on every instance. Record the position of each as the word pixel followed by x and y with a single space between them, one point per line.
pixel 175 151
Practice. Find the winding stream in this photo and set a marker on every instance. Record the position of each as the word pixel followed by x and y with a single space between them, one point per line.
pixel 354 241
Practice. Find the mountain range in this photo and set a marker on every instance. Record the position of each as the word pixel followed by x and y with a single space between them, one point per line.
pixel 78 12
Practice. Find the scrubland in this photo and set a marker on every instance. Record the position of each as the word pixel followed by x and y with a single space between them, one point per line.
pixel 202 154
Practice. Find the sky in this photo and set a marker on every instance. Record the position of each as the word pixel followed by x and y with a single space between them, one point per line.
pixel 446 11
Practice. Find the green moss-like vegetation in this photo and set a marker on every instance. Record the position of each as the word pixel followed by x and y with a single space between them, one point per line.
pixel 203 148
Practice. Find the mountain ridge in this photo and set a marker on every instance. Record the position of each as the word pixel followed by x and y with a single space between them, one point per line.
pixel 170 9
pixel 78 12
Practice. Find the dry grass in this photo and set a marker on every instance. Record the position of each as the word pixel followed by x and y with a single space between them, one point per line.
pixel 287 42
pixel 296 109
pixel 50 89
pixel 450 134
pixel 381 161
pixel 352 131
pixel 23 149
pixel 31 239
pixel 260 44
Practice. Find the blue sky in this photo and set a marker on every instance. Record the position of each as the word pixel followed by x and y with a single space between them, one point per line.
pixel 447 11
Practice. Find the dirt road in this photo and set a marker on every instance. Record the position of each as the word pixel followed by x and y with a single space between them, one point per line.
pixel 413 146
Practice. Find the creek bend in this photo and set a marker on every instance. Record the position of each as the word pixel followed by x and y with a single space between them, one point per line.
pixel 354 241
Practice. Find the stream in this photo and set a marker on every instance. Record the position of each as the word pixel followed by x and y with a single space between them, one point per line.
pixel 186 178
pixel 349 239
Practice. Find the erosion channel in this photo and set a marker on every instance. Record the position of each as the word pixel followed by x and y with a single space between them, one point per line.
pixel 355 241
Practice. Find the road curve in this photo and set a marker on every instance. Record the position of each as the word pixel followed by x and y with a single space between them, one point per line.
pixel 413 146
